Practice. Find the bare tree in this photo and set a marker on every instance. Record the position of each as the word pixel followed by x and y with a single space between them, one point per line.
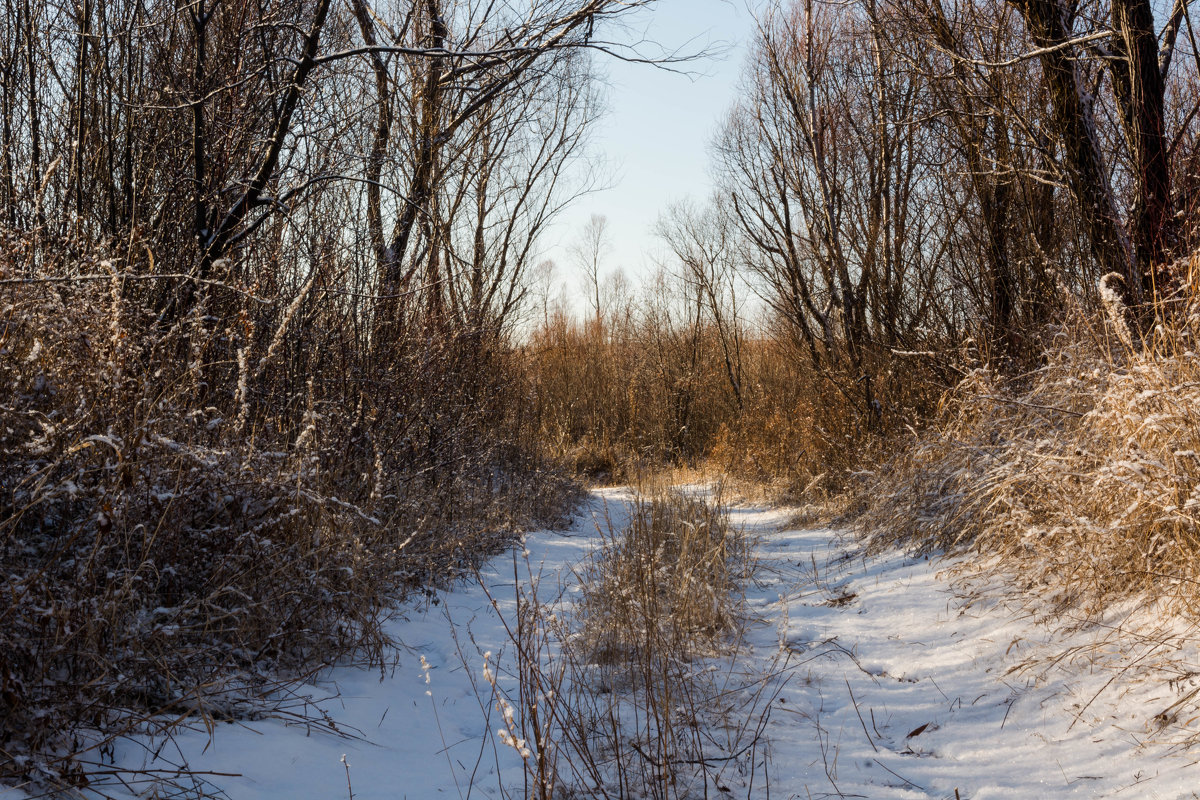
pixel 1120 42
pixel 832 182
pixel 589 252
pixel 704 243
pixel 1000 180
pixel 542 280
pixel 461 62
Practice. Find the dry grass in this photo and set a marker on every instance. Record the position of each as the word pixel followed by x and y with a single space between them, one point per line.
pixel 643 394
pixel 616 400
pixel 635 692
pixel 194 516
pixel 658 625
pixel 668 583
pixel 1083 476
pixel 805 429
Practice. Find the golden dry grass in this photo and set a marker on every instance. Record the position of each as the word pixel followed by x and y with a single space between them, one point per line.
pixel 194 517
pixel 668 582
pixel 617 402
pixel 1082 476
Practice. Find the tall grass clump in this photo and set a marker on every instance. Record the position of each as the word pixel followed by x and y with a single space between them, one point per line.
pixel 661 597
pixel 1083 475
pixel 668 582
pixel 632 689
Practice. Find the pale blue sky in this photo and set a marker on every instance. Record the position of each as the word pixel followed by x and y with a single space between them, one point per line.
pixel 655 137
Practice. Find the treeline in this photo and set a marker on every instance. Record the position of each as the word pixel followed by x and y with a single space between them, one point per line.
pixel 914 189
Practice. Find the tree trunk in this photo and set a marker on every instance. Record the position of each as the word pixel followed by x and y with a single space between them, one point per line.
pixel 1074 120
pixel 1138 82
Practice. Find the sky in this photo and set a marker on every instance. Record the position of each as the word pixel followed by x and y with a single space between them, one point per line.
pixel 654 139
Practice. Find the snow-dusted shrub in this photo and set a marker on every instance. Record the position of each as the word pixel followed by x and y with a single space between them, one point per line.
pixel 617 696
pixel 194 513
pixel 1083 475
pixel 666 584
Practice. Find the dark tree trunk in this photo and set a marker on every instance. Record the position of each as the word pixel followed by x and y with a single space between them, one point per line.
pixel 1074 120
pixel 1138 82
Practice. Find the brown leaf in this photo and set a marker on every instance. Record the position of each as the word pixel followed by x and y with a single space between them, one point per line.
pixel 917 731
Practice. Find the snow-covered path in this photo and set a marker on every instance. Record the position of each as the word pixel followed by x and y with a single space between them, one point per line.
pixel 418 732
pixel 895 688
pixel 902 689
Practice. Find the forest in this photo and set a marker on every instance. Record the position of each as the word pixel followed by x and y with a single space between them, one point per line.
pixel 280 349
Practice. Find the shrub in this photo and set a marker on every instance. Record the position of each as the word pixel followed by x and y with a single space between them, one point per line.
pixel 193 514
pixel 666 584
pixel 1082 475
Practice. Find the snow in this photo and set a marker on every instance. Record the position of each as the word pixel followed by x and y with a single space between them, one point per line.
pixel 897 677
pixel 924 693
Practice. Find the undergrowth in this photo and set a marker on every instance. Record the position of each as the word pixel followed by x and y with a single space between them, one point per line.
pixel 635 691
pixel 196 514
pixel 1082 476
pixel 641 393
pixel 668 582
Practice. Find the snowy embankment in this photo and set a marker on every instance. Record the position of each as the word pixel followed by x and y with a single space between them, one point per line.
pixel 890 685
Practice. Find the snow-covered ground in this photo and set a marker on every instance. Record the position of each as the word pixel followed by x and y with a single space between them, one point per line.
pixel 905 689
pixel 886 683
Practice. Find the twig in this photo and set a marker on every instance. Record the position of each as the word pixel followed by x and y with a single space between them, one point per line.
pixel 125 276
pixel 1010 401
pixel 349 788
pixel 901 777
pixel 861 721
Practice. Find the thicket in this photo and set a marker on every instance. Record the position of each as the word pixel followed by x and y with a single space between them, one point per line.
pixel 965 227
pixel 1082 475
pixel 193 515
pixel 259 273
pixel 617 402
pixel 889 208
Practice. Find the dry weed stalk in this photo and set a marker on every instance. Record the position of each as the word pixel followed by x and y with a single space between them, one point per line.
pixel 659 628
